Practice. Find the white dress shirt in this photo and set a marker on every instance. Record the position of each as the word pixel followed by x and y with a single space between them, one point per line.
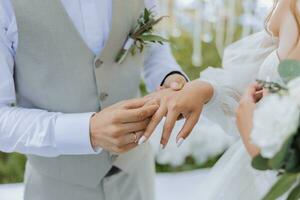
pixel 49 134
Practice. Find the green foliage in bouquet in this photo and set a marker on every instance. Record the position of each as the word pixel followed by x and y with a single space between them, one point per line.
pixel 289 70
pixel 287 160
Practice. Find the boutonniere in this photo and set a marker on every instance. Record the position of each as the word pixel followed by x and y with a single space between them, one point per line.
pixel 141 35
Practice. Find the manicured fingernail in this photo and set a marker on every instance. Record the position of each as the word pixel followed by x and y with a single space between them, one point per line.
pixel 142 140
pixel 161 147
pixel 175 85
pixel 179 142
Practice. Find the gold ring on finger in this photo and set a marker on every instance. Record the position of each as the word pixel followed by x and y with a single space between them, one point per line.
pixel 135 137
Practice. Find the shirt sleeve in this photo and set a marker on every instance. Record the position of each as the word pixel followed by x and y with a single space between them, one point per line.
pixel 33 131
pixel 159 61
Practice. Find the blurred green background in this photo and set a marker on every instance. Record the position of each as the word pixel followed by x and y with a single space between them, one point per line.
pixel 12 165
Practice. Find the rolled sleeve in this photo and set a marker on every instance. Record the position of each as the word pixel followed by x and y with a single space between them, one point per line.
pixel 159 63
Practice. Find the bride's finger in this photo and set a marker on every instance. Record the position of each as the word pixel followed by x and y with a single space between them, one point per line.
pixel 168 127
pixel 188 126
pixel 258 96
pixel 155 120
pixel 258 87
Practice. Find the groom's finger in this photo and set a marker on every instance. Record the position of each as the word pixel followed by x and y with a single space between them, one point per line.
pixel 136 115
pixel 125 148
pixel 129 138
pixel 188 126
pixel 135 103
pixel 135 126
pixel 168 127
pixel 175 82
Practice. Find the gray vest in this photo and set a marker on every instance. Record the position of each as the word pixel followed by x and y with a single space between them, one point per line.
pixel 57 72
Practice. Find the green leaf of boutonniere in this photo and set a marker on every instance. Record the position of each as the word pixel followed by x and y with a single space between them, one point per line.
pixel 289 70
pixel 152 38
pixel 147 15
pixel 141 35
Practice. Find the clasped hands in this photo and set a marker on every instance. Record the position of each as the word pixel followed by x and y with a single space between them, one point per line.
pixel 125 125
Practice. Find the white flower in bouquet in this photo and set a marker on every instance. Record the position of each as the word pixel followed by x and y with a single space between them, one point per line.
pixel 294 89
pixel 276 118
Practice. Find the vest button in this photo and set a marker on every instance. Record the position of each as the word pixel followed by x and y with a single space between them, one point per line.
pixel 98 63
pixel 103 96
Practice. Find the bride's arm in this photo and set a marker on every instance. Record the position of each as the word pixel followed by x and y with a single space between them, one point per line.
pixel 282 24
pixel 244 116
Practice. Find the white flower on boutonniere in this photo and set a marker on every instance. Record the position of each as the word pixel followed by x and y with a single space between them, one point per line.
pixel 142 34
pixel 275 120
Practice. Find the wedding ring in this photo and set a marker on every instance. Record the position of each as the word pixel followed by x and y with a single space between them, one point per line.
pixel 135 137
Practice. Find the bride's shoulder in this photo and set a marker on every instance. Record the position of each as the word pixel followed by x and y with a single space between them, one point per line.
pixel 253 48
pixel 255 42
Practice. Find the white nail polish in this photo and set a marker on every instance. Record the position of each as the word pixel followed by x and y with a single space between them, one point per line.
pixel 161 147
pixel 142 140
pixel 179 142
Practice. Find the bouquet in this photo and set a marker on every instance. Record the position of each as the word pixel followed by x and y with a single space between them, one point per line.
pixel 276 131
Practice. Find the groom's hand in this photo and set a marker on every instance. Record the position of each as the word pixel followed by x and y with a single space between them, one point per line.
pixel 119 127
pixel 174 81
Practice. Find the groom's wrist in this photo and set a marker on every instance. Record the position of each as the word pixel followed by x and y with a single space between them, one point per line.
pixel 174 73
pixel 95 146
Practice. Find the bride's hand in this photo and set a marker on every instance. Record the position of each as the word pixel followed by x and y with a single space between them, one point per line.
pixel 187 102
pixel 245 113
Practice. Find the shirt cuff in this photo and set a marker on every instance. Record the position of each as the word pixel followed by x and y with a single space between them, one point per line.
pixel 72 134
pixel 174 72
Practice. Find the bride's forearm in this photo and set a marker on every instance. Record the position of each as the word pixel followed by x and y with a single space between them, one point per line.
pixel 245 128
pixel 244 120
pixel 204 89
pixel 251 148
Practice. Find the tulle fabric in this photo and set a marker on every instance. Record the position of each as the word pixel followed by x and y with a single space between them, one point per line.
pixel 233 178
pixel 242 62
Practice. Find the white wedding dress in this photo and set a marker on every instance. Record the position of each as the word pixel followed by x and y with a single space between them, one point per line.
pixel 233 178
